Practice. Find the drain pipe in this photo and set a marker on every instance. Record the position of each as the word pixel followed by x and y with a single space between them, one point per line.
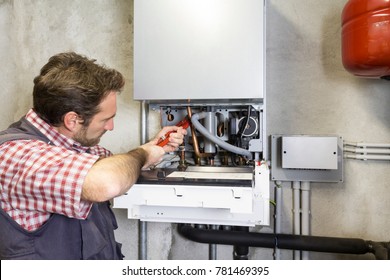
pixel 381 250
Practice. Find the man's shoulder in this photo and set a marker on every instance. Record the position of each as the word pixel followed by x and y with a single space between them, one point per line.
pixel 21 130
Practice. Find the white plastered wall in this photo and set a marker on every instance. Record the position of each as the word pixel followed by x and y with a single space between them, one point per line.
pixel 308 92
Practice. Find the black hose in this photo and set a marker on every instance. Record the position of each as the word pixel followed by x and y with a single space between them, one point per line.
pixel 284 241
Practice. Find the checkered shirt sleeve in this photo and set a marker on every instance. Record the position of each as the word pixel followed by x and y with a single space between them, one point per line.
pixel 39 179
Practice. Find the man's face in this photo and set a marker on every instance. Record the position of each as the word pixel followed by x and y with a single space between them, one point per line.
pixel 104 120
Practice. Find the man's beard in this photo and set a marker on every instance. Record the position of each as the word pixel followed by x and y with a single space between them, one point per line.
pixel 84 141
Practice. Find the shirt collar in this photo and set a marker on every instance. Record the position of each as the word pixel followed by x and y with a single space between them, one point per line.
pixel 53 135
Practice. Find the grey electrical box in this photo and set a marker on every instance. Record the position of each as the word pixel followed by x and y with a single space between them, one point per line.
pixel 309 152
pixel 314 158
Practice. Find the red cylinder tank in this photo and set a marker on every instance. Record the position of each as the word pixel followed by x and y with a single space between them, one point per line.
pixel 366 38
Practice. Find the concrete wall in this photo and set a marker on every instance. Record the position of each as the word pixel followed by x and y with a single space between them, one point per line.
pixel 308 92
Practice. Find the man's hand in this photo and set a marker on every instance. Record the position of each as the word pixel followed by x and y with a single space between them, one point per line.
pixel 176 137
pixel 155 152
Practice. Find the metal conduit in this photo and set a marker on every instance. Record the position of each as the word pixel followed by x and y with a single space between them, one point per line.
pixel 142 226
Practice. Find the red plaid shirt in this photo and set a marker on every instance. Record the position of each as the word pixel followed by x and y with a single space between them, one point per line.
pixel 38 179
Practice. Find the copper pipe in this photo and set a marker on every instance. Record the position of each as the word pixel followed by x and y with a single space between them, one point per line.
pixel 195 143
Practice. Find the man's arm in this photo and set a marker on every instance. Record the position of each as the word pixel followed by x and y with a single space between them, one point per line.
pixel 113 176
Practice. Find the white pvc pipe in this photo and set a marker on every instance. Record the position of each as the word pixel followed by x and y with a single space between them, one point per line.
pixel 367 151
pixel 297 214
pixel 305 222
pixel 366 157
pixel 362 144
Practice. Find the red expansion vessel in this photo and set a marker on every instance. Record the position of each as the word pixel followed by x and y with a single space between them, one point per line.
pixel 366 38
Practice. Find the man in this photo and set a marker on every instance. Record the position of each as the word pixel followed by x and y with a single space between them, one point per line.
pixel 55 179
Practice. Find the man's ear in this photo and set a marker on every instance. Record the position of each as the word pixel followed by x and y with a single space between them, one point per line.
pixel 71 121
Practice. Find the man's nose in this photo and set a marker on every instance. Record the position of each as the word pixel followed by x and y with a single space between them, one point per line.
pixel 109 125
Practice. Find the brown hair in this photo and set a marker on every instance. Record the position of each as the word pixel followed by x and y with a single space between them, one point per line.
pixel 72 82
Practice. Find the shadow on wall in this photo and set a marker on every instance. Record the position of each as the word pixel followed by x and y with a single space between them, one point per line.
pixel 5 2
pixel 293 76
pixel 331 45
